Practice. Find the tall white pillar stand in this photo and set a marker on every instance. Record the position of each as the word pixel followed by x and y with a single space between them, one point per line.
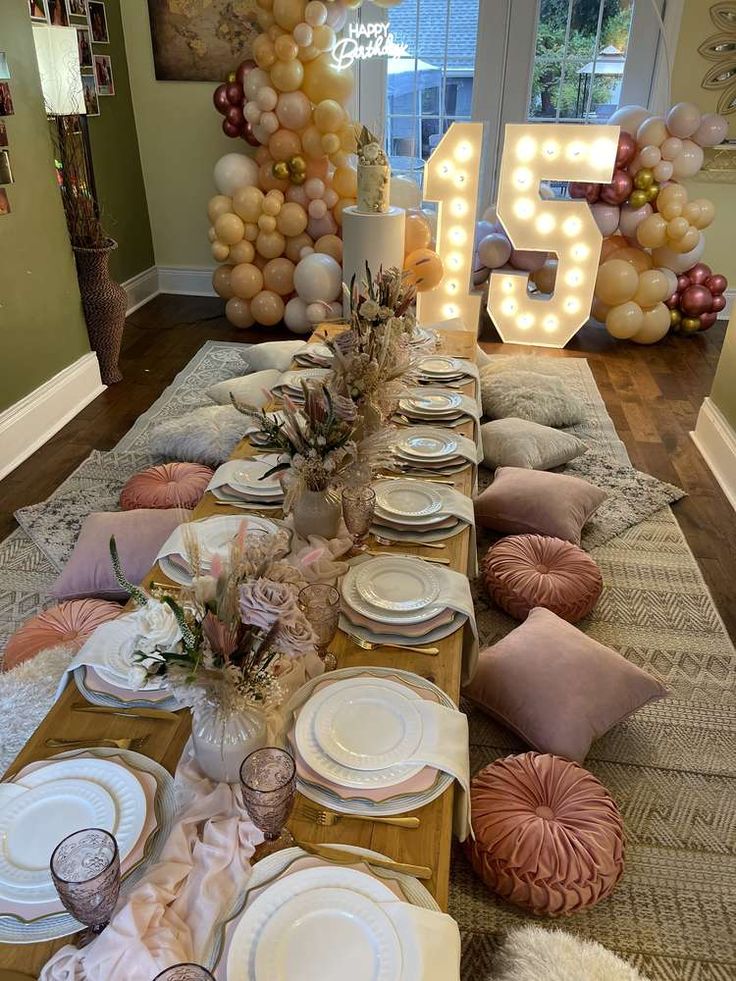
pixel 377 239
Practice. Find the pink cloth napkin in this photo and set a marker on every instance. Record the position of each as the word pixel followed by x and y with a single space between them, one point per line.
pixel 169 916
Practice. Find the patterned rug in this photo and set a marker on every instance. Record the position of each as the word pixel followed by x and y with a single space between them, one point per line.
pixel 671 768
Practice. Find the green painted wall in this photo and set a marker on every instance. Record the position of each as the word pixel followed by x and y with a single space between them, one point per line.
pixel 42 329
pixel 117 163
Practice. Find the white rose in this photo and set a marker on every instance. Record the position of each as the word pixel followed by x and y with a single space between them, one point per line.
pixel 158 628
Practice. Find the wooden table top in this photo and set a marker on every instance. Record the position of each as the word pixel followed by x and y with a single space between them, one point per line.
pixel 430 844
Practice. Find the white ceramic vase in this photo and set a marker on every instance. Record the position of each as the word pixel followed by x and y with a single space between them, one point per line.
pixel 222 738
pixel 316 513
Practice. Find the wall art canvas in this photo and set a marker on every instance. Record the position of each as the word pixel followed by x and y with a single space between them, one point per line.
pixel 6 171
pixel 4 67
pixel 6 100
pixel 37 9
pixel 84 45
pixel 98 22
pixel 90 95
pixel 200 40
pixel 77 8
pixel 58 15
pixel 103 75
pixel 4 203
pixel 3 134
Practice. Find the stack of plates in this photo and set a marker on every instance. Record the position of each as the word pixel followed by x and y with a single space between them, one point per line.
pixel 122 792
pixel 422 448
pixel 424 337
pixel 247 484
pixel 354 732
pixel 407 508
pixel 214 535
pixel 258 439
pixel 290 383
pixel 438 404
pixel 397 600
pixel 318 355
pixel 438 369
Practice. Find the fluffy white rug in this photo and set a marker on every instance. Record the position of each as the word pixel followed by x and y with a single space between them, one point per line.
pixel 532 953
pixel 26 695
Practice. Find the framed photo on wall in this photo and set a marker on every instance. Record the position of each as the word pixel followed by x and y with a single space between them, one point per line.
pixel 6 100
pixel 4 203
pixel 58 15
pixel 103 75
pixel 84 46
pixel 91 101
pixel 77 8
pixel 98 21
pixel 3 134
pixel 37 9
pixel 6 171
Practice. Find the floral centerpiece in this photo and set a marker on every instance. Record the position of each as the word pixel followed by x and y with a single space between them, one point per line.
pixel 223 645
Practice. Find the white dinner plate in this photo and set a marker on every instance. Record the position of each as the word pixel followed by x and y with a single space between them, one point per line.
pixel 397 583
pixel 241 962
pixel 365 726
pixel 316 935
pixel 427 445
pixel 431 400
pixel 214 535
pixel 353 598
pixel 408 499
pixel 249 477
pixel 32 825
pixel 438 367
pixel 294 379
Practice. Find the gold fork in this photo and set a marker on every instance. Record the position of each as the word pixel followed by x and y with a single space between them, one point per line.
pixel 408 541
pixel 328 818
pixel 368 645
pixel 91 741
pixel 405 555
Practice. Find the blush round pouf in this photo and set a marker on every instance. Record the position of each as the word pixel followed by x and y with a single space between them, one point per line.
pixel 68 623
pixel 525 571
pixel 169 485
pixel 548 835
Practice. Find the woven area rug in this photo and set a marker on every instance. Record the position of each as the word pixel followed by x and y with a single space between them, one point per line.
pixel 671 768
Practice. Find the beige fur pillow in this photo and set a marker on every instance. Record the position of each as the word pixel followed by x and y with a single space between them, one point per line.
pixel 528 395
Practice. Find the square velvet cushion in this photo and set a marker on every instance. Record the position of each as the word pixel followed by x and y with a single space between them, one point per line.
pixel 138 535
pixel 521 502
pixel 556 688
pixel 519 443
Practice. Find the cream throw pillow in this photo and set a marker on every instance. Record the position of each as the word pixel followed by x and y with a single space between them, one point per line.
pixel 519 443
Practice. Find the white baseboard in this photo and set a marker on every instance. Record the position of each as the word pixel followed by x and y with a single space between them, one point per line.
pixel 186 280
pixel 716 440
pixel 35 418
pixel 725 314
pixel 141 289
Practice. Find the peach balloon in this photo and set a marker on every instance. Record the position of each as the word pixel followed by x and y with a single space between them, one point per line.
pixel 318 227
pixel 220 251
pixel 677 262
pixel 649 156
pixel 630 218
pixel 284 143
pixel 323 81
pixel 315 13
pixel 330 245
pixel 323 37
pixel 329 116
pixel 671 200
pixel 211 234
pixel 617 282
pixel 242 252
pixel 288 13
pixel 251 231
pixel 676 227
pixel 345 182
pixel 278 276
pixel 270 245
pixel 340 206
pixel 417 232
pixel 707 212
pixel 268 182
pixel 318 168
pixel 238 312
pixel 295 245
pixel 263 51
pixel 229 228
pixel 287 76
pixel 611 246
pixel 267 223
pixel 663 170
pixel 221 282
pixel 285 47
pixel 624 320
pixel 267 307
pixel 599 310
pixel 262 155
pixel 671 147
pixel 292 219
pixel 653 288
pixel 652 232
pixel 293 110
pixel 312 142
pixel 425 269
pixel 331 143
pixel 637 258
pixel 686 242
pixel 544 278
pixel 655 325
pixel 246 280
pixel 220 204
pixel 248 203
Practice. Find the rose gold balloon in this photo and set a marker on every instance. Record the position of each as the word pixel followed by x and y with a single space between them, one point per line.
pixel 707 320
pixel 696 300
pixel 221 282
pixel 673 302
pixel 717 284
pixel 238 313
pixel 267 307
pixel 425 269
pixel 626 149
pixel 619 189
pixel 583 189
pixel 719 303
pixel 698 274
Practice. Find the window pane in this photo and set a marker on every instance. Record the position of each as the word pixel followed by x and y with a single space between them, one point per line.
pixel 580 57
pixel 433 81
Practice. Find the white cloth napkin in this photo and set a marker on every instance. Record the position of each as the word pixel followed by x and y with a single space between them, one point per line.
pixel 437 939
pixel 255 467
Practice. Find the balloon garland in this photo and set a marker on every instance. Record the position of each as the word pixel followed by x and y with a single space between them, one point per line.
pixel 650 279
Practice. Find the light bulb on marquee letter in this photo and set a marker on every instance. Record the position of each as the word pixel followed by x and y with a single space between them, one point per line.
pixel 451 178
pixel 556 152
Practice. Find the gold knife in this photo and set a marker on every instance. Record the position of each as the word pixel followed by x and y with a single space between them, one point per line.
pixel 351 858
pixel 133 713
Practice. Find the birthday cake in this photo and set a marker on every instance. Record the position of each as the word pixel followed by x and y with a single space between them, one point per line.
pixel 374 175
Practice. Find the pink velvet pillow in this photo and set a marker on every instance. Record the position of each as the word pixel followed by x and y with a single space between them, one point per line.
pixel 138 534
pixel 556 688
pixel 548 835
pixel 68 623
pixel 170 485
pixel 525 571
pixel 521 501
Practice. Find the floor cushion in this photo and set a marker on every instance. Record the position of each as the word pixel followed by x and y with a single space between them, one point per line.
pixel 519 443
pixel 272 354
pixel 548 835
pixel 253 390
pixel 68 623
pixel 523 501
pixel 536 953
pixel 557 688
pixel 525 571
pixel 529 395
pixel 169 485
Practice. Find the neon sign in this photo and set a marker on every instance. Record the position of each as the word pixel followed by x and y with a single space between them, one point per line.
pixel 366 41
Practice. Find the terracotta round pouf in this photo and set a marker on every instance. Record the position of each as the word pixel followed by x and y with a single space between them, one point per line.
pixel 68 623
pixel 548 835
pixel 525 571
pixel 169 485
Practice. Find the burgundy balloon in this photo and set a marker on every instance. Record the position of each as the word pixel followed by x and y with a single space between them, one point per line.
pixel 626 149
pixel 716 284
pixel 246 131
pixel 219 98
pixel 696 300
pixel 235 116
pixel 673 302
pixel 582 189
pixel 683 281
pixel 235 94
pixel 619 189
pixel 699 273
pixel 707 320
pixel 243 70
pixel 230 129
pixel 718 304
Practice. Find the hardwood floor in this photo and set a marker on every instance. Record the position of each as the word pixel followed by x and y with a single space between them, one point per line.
pixel 652 393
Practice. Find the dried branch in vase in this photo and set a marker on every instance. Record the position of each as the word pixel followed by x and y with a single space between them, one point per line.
pixel 80 208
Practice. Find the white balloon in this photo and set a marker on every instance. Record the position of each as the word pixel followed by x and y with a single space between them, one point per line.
pixel 295 316
pixel 678 262
pixel 683 119
pixel 671 279
pixel 629 118
pixel 606 217
pixel 689 161
pixel 405 193
pixel 317 312
pixel 318 278
pixel 255 80
pixel 631 218
pixel 484 228
pixel 490 214
pixel 712 130
pixel 235 170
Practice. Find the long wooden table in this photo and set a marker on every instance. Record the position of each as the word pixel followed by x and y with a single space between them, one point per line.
pixel 430 844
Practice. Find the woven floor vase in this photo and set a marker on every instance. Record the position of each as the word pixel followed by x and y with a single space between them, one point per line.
pixel 105 303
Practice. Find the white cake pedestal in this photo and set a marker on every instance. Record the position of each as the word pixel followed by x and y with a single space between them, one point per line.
pixel 377 239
